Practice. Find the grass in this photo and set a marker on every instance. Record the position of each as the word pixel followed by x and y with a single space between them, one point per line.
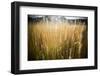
pixel 49 41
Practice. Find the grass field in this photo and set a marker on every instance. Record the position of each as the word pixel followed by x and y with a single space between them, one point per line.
pixel 49 41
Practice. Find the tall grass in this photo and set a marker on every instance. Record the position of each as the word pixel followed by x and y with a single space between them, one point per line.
pixel 47 41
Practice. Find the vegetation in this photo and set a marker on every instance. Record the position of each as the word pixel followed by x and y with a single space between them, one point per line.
pixel 49 41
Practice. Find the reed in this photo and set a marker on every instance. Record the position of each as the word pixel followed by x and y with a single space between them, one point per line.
pixel 48 41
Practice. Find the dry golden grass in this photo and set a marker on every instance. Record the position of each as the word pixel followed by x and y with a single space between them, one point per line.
pixel 47 41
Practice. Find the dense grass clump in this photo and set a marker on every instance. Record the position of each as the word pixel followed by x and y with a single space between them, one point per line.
pixel 48 41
